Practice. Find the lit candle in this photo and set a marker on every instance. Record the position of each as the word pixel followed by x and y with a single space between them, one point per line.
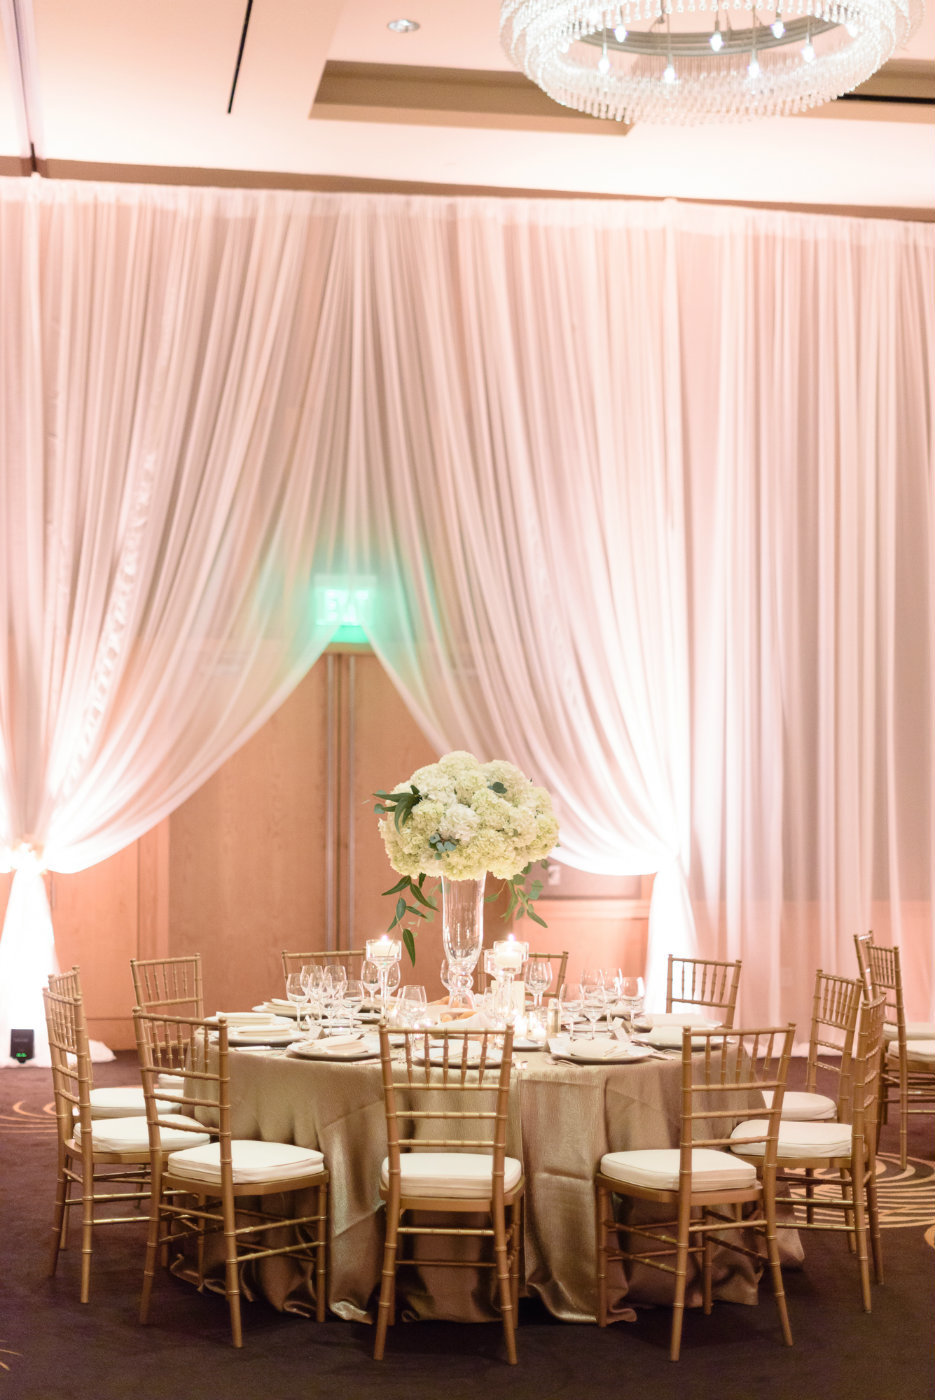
pixel 508 955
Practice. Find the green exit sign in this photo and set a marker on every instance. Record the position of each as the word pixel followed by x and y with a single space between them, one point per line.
pixel 346 606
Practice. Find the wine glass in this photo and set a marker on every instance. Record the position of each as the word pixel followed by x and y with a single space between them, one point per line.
pixel 593 997
pixel 613 977
pixel 633 996
pixel 353 1000
pixel 370 980
pixel 570 1002
pixel 411 1004
pixel 447 975
pixel 538 978
pixel 296 995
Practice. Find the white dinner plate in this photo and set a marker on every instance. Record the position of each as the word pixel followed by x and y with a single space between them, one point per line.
pixel 318 1050
pixel 274 1036
pixel 579 1052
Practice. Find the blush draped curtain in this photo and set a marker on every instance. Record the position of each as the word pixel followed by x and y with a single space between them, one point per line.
pixel 643 495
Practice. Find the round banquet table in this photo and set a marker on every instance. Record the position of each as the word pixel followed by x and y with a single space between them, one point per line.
pixel 563 1118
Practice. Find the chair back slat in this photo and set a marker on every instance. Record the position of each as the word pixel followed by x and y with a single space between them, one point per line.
pixel 703 982
pixel 442 1062
pixel 351 958
pixel 69 1052
pixel 867 1069
pixel 724 1083
pixel 194 1053
pixel 172 985
pixel 835 1009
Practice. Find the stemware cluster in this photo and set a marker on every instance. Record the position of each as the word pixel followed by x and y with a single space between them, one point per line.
pixel 601 991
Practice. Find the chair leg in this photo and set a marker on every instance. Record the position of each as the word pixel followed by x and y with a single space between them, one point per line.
pixel 504 1285
pixel 388 1279
pixel 87 1228
pixel 321 1241
pixel 232 1281
pixel 707 1259
pixel 903 1120
pixel 602 1204
pixel 681 1279
pixel 515 1242
pixel 873 1213
pixel 59 1218
pixel 775 1267
pixel 152 1249
pixel 860 1229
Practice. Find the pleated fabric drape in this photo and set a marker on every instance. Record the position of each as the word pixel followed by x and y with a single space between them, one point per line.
pixel 643 495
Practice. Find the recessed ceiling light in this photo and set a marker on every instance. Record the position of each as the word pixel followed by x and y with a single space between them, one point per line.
pixel 403 26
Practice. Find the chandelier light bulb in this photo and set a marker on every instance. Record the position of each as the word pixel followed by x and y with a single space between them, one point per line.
pixel 808 51
pixel 668 73
pixel 777 28
pixel 620 33
pixel 717 41
pixel 603 66
pixel 852 28
pixel 753 67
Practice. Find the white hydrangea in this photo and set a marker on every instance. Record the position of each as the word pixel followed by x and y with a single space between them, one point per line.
pixel 499 832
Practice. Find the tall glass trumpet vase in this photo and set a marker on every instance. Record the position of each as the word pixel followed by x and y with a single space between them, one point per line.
pixel 462 935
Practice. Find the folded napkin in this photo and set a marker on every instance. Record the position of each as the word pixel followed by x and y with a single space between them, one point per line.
pixel 250 1018
pixel 278 1031
pixel 339 1047
pixel 680 1018
pixel 602 1047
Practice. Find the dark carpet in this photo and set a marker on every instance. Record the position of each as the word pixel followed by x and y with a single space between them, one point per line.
pixel 52 1348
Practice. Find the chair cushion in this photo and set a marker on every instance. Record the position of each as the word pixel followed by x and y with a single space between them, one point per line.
pixel 923 1050
pixel 915 1030
pixel 802 1107
pixel 797 1139
pixel 451 1174
pixel 121 1103
pixel 658 1169
pixel 132 1134
pixel 252 1161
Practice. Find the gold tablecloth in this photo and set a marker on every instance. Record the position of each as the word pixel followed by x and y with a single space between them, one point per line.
pixel 564 1117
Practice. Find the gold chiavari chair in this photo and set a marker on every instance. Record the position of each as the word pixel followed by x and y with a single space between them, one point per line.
pixel 95 1154
pixel 351 958
pixel 847 1149
pixel 203 1190
pixel 908 1074
pixel 835 1009
pixel 703 982
pixel 701 1181
pixel 123 1101
pixel 446 1158
pixel 172 985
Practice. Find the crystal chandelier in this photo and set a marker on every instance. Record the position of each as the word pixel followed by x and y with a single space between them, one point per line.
pixel 684 62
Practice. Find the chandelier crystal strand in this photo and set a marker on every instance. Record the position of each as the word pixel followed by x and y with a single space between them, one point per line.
pixel 630 62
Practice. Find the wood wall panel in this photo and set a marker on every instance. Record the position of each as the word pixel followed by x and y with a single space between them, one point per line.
pixel 246 855
pixel 95 915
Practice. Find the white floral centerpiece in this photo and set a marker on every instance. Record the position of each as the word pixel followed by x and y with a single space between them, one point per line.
pixel 461 819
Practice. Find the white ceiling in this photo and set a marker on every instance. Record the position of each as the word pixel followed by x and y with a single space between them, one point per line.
pixel 145 84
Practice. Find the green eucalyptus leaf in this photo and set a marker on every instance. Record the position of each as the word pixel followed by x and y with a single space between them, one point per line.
pixel 400 908
pixel 400 885
pixel 536 918
pixel 410 942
